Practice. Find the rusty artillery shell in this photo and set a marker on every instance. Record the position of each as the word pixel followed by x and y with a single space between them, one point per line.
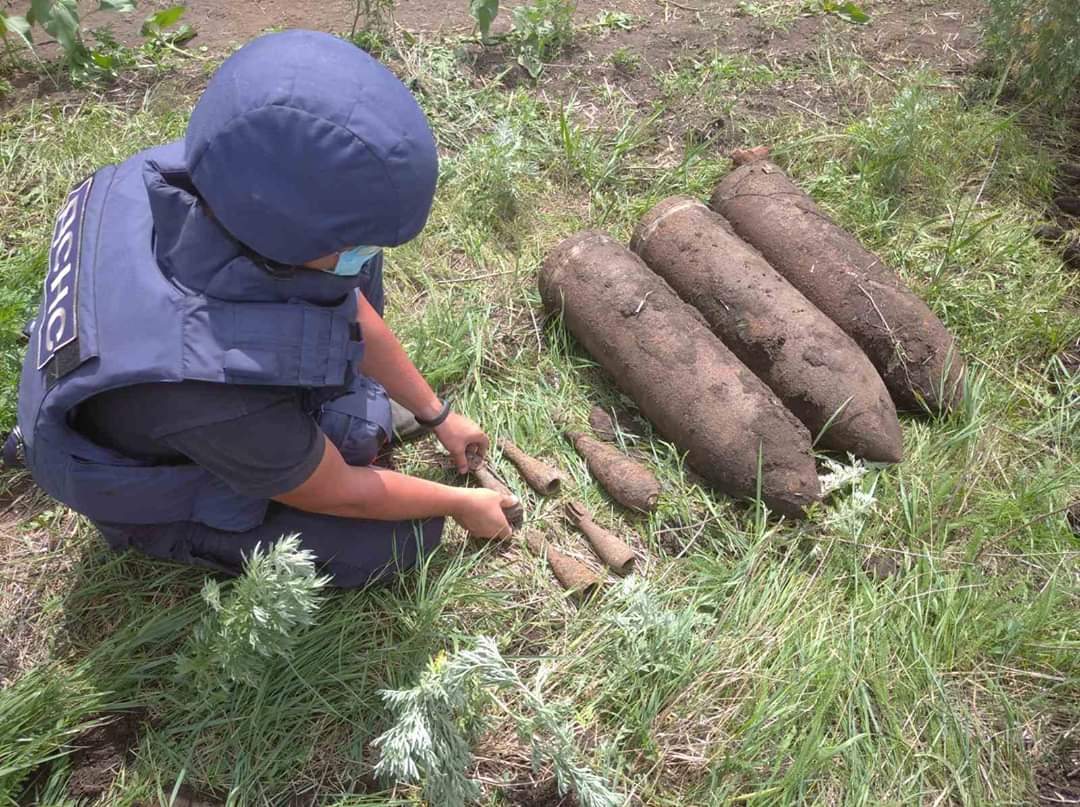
pixel 1070 256
pixel 661 352
pixel 486 479
pixel 1050 233
pixel 627 481
pixel 744 156
pixel 911 348
pixel 541 477
pixel 603 424
pixel 572 575
pixel 815 368
pixel 607 546
pixel 607 425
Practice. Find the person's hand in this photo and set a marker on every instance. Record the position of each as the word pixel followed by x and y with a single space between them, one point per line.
pixel 457 433
pixel 482 513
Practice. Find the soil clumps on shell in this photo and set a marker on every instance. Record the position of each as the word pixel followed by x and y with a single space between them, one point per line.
pixel 661 352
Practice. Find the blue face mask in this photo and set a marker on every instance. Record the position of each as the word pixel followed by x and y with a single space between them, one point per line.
pixel 351 261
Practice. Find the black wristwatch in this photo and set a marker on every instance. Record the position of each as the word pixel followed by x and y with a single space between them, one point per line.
pixel 431 423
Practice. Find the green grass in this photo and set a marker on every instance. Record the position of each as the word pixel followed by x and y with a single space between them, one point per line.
pixel 783 14
pixel 780 14
pixel 755 662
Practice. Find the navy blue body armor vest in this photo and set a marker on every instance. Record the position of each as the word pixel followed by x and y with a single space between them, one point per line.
pixel 143 285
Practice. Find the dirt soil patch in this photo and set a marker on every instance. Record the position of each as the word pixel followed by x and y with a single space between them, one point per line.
pixel 613 71
pixel 1070 359
pixel 880 567
pixel 1058 781
pixel 900 30
pixel 186 797
pixel 901 35
pixel 222 26
pixel 1072 516
pixel 100 753
pixel 544 794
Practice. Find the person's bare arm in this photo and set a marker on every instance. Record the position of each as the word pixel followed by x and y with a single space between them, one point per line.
pixel 386 361
pixel 338 489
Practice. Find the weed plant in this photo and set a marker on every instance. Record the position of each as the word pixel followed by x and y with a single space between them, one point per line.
pixel 540 30
pixel 625 60
pixel 257 619
pixel 429 741
pixel 782 14
pixel 1037 46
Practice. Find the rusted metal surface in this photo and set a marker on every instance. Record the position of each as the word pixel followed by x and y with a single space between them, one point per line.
pixel 816 369
pixel 486 478
pixel 628 482
pixel 911 348
pixel 660 351
pixel 608 547
pixel 572 575
pixel 540 476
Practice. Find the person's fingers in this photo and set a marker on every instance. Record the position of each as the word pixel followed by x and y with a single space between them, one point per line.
pixel 484 443
pixel 506 503
pixel 474 456
pixel 460 459
pixel 477 450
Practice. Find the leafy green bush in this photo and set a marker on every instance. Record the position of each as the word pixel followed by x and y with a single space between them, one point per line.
pixel 484 12
pixel 378 17
pixel 893 142
pixel 1038 44
pixel 434 722
pixel 491 176
pixel 541 29
pixel 923 146
pixel 258 618
pixel 161 29
pixel 107 57
pixel 60 20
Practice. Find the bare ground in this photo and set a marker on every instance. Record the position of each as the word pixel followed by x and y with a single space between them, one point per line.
pixel 662 35
pixel 32 568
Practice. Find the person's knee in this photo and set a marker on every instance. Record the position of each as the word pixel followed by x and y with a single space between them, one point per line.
pixel 401 547
pixel 354 553
pixel 359 422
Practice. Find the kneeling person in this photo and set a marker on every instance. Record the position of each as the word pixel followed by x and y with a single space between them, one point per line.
pixel 209 367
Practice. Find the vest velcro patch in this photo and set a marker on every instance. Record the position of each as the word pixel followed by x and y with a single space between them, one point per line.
pixel 57 321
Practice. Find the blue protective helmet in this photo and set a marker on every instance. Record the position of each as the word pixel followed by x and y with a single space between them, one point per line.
pixel 304 145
